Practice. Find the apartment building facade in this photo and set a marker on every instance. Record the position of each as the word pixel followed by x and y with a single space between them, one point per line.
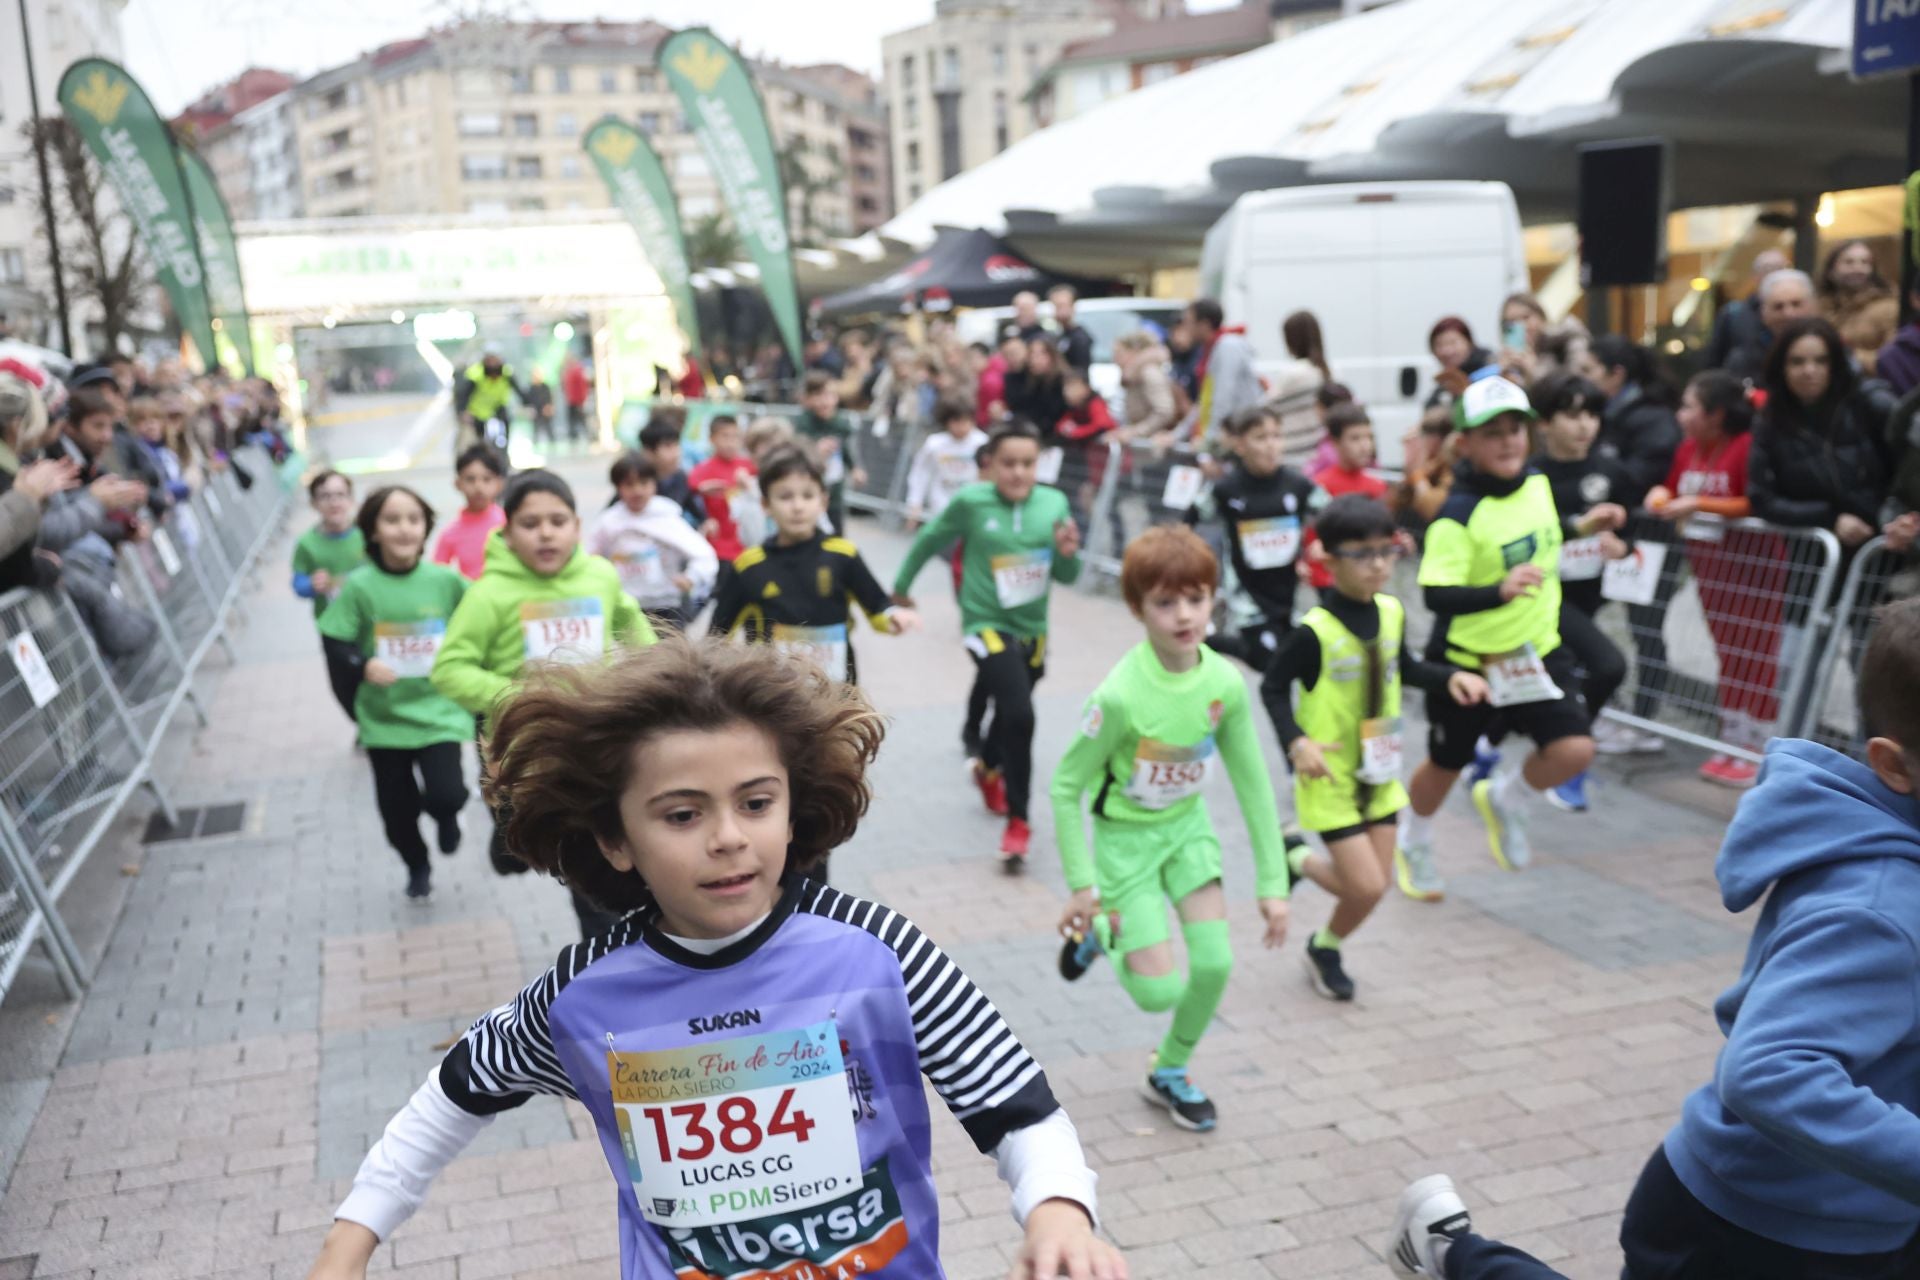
pixel 487 119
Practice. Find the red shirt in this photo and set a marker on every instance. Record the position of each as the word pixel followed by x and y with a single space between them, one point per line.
pixel 1337 481
pixel 992 388
pixel 463 543
pixel 721 484
pixel 1722 474
pixel 573 383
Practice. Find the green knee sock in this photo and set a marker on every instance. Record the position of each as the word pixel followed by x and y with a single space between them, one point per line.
pixel 1154 995
pixel 1327 940
pixel 1209 961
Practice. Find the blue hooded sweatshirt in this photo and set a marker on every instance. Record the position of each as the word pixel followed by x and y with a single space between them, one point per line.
pixel 1808 1133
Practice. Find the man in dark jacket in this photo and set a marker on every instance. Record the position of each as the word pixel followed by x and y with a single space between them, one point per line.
pixel 1740 339
pixel 1076 344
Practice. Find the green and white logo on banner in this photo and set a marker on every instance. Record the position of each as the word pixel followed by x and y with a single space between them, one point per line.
pixel 132 143
pixel 724 110
pixel 638 183
pixel 220 256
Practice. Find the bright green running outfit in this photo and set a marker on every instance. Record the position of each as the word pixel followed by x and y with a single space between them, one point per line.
pixel 401 619
pixel 1363 784
pixel 1149 738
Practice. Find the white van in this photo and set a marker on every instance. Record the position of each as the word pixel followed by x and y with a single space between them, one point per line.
pixel 1377 263
pixel 1104 319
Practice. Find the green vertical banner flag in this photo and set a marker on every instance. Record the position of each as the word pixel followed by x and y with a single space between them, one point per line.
pixel 724 111
pixel 220 258
pixel 638 183
pixel 132 143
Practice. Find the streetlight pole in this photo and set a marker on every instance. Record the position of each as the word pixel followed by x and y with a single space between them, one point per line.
pixel 46 186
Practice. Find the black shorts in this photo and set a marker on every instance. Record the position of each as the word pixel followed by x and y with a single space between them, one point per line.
pixel 1453 729
pixel 1347 833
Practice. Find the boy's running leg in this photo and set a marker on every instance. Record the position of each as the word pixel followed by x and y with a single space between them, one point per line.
pixel 346 687
pixel 1008 671
pixel 443 790
pixel 1433 1236
pixel 397 794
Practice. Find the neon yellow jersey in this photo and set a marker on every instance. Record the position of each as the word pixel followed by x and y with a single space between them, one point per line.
pixel 1476 541
pixel 1336 711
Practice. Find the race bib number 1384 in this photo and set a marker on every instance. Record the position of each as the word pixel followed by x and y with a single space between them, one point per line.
pixel 725 1131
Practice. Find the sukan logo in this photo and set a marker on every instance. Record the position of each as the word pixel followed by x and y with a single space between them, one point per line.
pixel 723 1021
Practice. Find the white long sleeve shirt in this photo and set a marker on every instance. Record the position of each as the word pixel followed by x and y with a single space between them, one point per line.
pixel 653 547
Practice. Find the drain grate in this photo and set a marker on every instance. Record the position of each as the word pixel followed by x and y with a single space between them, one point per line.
pixel 196 824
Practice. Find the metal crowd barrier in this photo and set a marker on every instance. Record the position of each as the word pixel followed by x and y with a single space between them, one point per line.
pixel 1876 575
pixel 82 733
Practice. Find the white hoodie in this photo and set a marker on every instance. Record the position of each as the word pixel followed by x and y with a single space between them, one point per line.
pixel 653 548
pixel 944 465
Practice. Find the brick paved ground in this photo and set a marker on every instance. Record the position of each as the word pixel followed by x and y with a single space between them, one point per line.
pixel 267 999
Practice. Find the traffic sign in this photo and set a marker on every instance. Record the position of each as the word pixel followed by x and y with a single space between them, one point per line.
pixel 1886 37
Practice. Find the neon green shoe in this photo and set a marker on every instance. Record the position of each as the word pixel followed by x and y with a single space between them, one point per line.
pixel 1506 829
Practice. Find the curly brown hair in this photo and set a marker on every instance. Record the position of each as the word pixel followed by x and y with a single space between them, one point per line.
pixel 559 752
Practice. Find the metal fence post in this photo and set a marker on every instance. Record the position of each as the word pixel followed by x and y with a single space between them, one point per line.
pixel 69 965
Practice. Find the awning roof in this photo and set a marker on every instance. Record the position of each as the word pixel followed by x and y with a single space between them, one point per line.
pixel 1753 93
pixel 961 269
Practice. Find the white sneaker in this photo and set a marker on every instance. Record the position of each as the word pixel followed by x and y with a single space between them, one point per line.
pixel 1414 872
pixel 1506 827
pixel 1431 1214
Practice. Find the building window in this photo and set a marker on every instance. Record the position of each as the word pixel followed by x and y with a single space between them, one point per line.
pixel 999 60
pixel 950 67
pixel 609 82
pixel 563 80
pixel 484 166
pixel 949 106
pixel 565 125
pixel 477 124
pixel 913 191
pixel 999 120
pixel 528 203
pixel 13 266
pixel 913 157
pixel 400 93
pixel 473 82
pixel 645 81
pixel 520 81
pixel 526 125
pixel 569 166
pixel 650 122
pixel 1033 56
pixel 1154 73
pixel 526 167
pixel 913 112
pixel 906 74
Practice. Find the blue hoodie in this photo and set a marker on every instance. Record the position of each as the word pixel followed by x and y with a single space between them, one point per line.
pixel 1808 1133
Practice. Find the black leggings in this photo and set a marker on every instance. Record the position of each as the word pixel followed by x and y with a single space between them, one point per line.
pixel 1603 667
pixel 408 783
pixel 345 682
pixel 1005 670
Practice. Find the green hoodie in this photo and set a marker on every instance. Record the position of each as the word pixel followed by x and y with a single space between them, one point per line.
pixel 513 614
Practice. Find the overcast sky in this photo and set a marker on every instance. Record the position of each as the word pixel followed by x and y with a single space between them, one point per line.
pixel 180 48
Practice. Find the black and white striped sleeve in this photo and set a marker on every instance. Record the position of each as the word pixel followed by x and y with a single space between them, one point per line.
pixel 507 1055
pixel 977 1065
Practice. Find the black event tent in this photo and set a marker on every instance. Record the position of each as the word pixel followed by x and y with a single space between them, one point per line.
pixel 961 269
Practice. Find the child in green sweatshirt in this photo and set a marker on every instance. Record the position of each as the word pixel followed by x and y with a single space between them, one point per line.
pixel 540 599
pixel 1149 738
pixel 1019 540
pixel 382 633
pixel 325 554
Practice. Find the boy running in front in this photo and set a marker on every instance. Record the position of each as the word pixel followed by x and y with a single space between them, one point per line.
pixel 1349 659
pixel 1148 740
pixel 1491 576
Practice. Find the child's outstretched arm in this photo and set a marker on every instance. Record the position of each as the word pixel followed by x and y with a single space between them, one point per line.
pixel 506 1057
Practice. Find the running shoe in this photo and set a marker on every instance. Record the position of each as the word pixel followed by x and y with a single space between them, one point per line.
pixel 1013 845
pixel 450 834
pixel 1570 795
pixel 993 787
pixel 1289 841
pixel 1611 738
pixel 1506 829
pixel 1431 1214
pixel 1172 1089
pixel 1414 872
pixel 1485 761
pixel 1730 771
pixel 420 883
pixel 1328 975
pixel 1078 955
